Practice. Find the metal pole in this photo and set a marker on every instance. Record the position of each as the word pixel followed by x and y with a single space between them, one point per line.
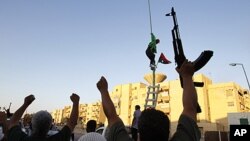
pixel 245 76
pixel 150 20
pixel 234 64
pixel 154 85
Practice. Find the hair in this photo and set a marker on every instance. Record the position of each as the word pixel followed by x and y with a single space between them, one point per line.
pixel 153 124
pixel 91 126
pixel 137 107
pixel 41 123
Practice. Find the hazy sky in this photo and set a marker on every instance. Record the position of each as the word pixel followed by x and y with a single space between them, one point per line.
pixel 51 48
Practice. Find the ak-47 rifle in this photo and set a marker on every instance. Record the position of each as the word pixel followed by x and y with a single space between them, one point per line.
pixel 180 56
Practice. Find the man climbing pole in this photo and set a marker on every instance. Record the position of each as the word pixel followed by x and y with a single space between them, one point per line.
pixel 151 50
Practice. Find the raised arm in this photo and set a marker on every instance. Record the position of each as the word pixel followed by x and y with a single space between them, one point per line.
pixel 108 106
pixel 189 98
pixel 18 114
pixel 74 113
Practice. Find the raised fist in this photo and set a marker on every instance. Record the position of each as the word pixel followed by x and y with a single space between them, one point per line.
pixel 29 99
pixel 102 84
pixel 74 98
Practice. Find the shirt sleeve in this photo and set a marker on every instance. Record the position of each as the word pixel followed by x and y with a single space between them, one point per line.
pixel 187 130
pixel 16 134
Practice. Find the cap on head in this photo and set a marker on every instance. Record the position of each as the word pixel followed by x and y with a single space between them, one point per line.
pixel 92 137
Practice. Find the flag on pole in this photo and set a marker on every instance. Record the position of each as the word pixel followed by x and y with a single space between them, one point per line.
pixel 163 59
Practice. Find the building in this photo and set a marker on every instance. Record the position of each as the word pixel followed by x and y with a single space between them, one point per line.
pixel 87 112
pixel 57 115
pixel 95 112
pixel 215 100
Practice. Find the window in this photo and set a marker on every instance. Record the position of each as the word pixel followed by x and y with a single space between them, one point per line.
pixel 244 121
pixel 230 104
pixel 240 93
pixel 229 93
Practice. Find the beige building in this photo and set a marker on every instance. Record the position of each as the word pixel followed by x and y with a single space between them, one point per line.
pixel 216 101
pixel 87 112
pixel 95 112
pixel 57 115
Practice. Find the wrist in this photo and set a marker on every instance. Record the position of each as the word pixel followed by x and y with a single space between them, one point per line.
pixel 26 105
pixel 187 77
pixel 103 91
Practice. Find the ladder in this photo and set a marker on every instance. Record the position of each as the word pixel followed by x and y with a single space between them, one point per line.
pixel 152 96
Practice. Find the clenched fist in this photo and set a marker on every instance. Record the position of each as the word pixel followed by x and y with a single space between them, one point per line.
pixel 29 99
pixel 102 84
pixel 74 98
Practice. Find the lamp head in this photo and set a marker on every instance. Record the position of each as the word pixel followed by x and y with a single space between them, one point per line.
pixel 232 64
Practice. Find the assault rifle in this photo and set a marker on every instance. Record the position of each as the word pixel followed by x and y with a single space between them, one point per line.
pixel 180 56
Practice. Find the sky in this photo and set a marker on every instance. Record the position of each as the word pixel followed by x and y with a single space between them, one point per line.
pixel 53 48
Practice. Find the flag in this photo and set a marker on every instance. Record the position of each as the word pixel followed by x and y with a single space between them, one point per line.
pixel 163 59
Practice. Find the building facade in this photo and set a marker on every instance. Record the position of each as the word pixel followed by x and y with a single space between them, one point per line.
pixel 215 100
pixel 93 111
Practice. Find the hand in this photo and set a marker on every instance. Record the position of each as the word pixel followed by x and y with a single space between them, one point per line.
pixel 102 84
pixel 74 98
pixel 186 69
pixel 29 99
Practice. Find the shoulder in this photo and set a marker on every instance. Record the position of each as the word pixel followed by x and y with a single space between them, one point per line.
pixel 64 133
pixel 65 130
pixel 118 132
pixel 16 133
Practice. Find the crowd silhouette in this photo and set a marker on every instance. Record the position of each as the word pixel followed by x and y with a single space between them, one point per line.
pixel 148 125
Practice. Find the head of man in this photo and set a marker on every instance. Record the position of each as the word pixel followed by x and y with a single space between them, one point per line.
pixel 91 126
pixel 153 124
pixel 157 41
pixel 137 107
pixel 41 123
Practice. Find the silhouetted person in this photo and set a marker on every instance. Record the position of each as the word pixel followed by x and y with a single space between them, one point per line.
pixel 134 128
pixel 41 123
pixel 91 134
pixel 91 126
pixel 116 128
pixel 151 50
pixel 154 124
pixel 9 114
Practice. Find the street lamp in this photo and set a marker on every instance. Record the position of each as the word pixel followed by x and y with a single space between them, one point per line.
pixel 234 64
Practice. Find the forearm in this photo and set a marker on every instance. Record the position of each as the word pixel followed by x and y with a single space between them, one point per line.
pixel 108 106
pixel 17 115
pixel 189 97
pixel 73 116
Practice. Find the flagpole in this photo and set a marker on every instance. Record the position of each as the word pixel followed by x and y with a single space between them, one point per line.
pixel 150 19
pixel 153 68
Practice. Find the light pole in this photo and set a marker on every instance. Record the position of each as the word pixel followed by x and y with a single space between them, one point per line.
pixel 234 64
